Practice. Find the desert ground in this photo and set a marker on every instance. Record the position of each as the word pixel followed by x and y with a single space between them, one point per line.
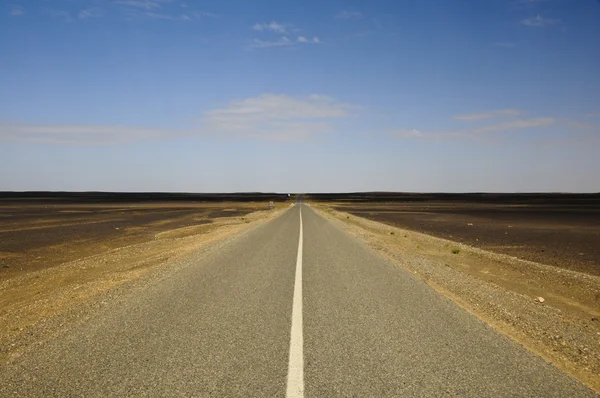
pixel 563 235
pixel 41 235
pixel 59 250
pixel 528 265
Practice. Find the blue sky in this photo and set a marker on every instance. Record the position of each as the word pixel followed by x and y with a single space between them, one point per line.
pixel 198 96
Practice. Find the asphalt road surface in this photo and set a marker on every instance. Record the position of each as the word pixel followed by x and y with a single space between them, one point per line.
pixel 259 318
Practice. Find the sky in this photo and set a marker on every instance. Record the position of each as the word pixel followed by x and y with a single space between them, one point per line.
pixel 303 96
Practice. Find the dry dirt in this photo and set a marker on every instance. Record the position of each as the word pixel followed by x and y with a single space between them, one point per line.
pixel 55 258
pixel 35 236
pixel 501 290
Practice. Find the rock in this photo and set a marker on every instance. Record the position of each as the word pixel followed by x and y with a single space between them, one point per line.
pixel 540 299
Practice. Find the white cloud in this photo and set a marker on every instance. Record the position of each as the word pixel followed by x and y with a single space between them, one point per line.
pixel 143 4
pixel 509 126
pixel 68 134
pixel 303 39
pixel 489 115
pixel 190 16
pixel 271 26
pixel 93 12
pixel 279 117
pixel 268 116
pixel 281 42
pixel 161 10
pixel 514 125
pixel 540 22
pixel 17 11
pixel 348 15
pixel 275 28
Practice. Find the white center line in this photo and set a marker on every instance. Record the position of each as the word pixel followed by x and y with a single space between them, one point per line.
pixel 295 378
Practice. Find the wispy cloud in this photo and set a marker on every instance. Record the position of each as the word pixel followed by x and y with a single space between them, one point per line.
pixel 149 15
pixel 171 10
pixel 489 115
pixel 131 10
pixel 144 4
pixel 304 39
pixel 283 41
pixel 274 28
pixel 514 125
pixel 278 117
pixel 267 117
pixel 94 12
pixel 540 22
pixel 17 11
pixel 69 134
pixel 348 15
pixel 271 26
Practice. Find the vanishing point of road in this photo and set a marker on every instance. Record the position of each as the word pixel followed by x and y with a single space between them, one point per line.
pixel 294 307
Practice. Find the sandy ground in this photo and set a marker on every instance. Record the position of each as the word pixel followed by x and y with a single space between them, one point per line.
pixel 35 236
pixel 41 299
pixel 501 290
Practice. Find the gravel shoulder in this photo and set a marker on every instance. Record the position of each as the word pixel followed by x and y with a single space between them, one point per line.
pixel 552 312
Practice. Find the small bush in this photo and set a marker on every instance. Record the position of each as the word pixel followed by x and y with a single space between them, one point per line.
pixel 455 250
pixel 391 232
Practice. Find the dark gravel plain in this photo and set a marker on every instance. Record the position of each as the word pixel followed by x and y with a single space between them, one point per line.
pixel 561 230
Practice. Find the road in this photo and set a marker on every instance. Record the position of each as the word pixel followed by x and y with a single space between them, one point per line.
pixel 222 326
